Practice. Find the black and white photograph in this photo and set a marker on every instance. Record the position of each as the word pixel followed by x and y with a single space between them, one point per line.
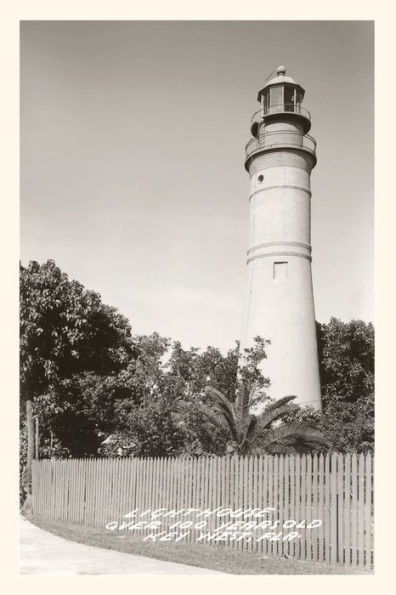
pixel 196 297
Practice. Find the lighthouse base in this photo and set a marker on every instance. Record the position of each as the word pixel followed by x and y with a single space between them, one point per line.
pixel 280 308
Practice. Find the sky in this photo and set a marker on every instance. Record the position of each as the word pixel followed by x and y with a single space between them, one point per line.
pixel 132 163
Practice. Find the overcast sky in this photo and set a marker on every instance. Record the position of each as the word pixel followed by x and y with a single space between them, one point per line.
pixel 132 151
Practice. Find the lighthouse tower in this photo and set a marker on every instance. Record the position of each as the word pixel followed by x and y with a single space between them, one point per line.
pixel 279 305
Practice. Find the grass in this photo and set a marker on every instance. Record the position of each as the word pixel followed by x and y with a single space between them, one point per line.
pixel 203 555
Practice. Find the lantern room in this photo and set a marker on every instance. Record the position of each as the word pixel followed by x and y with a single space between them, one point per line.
pixel 280 97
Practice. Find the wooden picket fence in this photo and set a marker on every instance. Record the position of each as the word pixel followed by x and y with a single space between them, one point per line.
pixel 334 489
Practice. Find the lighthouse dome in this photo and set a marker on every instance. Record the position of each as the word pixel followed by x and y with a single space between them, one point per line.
pixel 280 78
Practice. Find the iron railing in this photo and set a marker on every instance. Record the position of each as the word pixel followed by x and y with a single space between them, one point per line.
pixel 280 108
pixel 281 138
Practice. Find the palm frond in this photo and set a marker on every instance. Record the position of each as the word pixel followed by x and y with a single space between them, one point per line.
pixel 224 406
pixel 250 428
pixel 293 434
pixel 270 415
pixel 219 397
pixel 215 416
pixel 280 402
pixel 242 402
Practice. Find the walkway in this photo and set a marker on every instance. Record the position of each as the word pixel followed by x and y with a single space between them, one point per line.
pixel 44 553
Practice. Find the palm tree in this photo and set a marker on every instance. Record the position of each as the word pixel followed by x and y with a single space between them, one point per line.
pixel 249 432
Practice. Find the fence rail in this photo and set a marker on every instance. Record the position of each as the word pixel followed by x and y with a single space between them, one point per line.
pixel 334 490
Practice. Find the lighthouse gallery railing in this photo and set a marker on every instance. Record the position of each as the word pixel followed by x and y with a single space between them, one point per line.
pixel 280 108
pixel 281 138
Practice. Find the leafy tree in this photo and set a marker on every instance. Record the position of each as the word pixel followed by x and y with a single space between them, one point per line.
pixel 65 332
pixel 349 427
pixel 197 368
pixel 346 356
pixel 66 329
pixel 76 412
pixel 145 422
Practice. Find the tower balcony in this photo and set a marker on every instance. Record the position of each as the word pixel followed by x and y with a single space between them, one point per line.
pixel 279 111
pixel 280 139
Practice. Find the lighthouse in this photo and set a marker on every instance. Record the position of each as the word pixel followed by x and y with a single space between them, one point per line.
pixel 279 303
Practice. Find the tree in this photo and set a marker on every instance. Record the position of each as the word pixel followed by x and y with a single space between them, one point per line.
pixel 346 356
pixel 65 332
pixel 349 427
pixel 195 368
pixel 146 423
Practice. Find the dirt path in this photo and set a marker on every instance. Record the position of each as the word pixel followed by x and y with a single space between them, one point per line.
pixel 44 553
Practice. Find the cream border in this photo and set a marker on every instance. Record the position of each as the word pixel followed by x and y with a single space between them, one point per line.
pixel 222 10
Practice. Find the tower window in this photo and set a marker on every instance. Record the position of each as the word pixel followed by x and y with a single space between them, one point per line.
pixel 280 271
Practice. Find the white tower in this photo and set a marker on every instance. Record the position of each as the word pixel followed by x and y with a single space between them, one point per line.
pixel 279 304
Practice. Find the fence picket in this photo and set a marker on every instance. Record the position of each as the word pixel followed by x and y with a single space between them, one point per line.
pixel 340 508
pixel 308 510
pixel 347 511
pixel 361 511
pixel 292 509
pixel 314 515
pixel 279 544
pixel 297 544
pixel 195 494
pixel 368 512
pixel 333 508
pixel 303 516
pixel 270 498
pixel 70 491
pixel 321 508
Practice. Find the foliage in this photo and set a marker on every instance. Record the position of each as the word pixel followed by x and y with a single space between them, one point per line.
pixel 23 488
pixel 162 415
pixel 346 356
pixel 72 346
pixel 224 374
pixel 349 427
pixel 90 379
pixel 65 330
pixel 248 432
